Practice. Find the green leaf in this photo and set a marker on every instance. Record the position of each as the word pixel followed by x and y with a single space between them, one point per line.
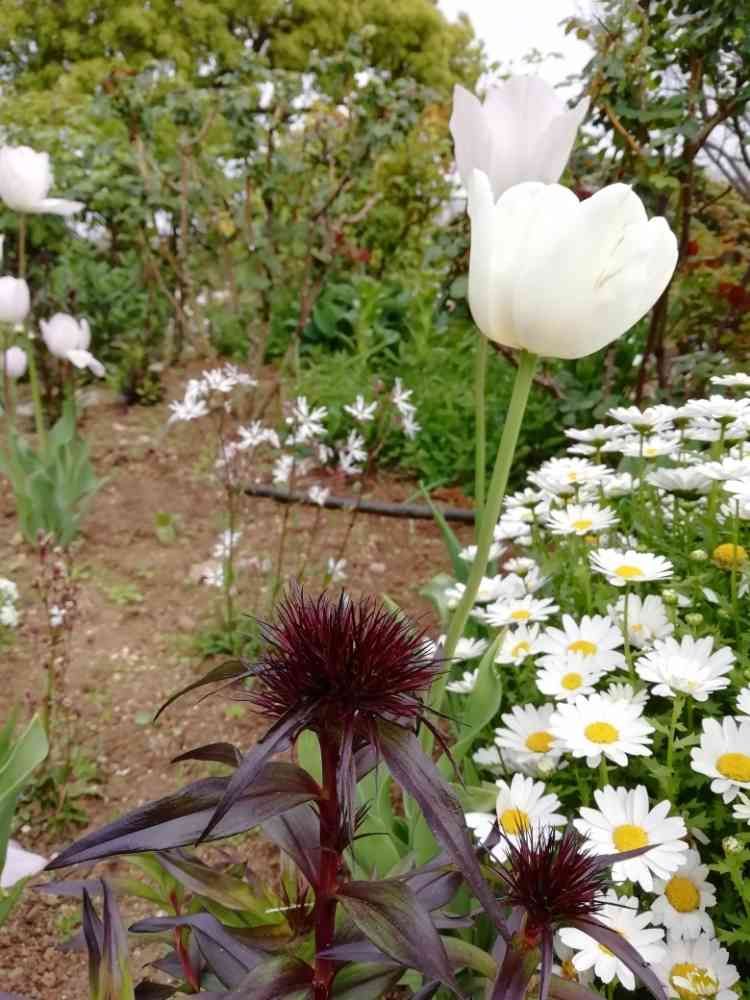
pixel 480 706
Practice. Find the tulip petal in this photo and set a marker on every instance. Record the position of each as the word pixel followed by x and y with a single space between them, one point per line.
pixel 82 359
pixel 57 206
pixel 553 148
pixel 19 864
pixel 470 134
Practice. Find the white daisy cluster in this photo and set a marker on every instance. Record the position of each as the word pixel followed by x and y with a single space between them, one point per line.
pixel 617 593
pixel 8 602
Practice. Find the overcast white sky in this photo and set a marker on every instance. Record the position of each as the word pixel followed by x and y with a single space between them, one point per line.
pixel 511 29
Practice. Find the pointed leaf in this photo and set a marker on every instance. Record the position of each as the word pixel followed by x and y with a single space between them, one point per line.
pixel 393 919
pixel 297 832
pixel 116 974
pixel 624 951
pixel 365 981
pixel 230 892
pixel 278 738
pixel 229 958
pixel 146 990
pixel 545 972
pixel 459 566
pixel 418 776
pixel 231 670
pixel 180 819
pixel 434 887
pixel 480 706
pixel 563 989
pixel 602 861
pixel 93 933
pixel 219 753
pixel 274 979
pixel 427 992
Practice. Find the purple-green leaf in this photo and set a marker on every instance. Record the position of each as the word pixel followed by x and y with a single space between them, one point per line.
pixel 624 951
pixel 146 990
pixel 278 738
pixel 297 832
pixel 365 981
pixel 392 918
pixel 564 989
pixel 276 978
pixel 229 958
pixel 180 819
pixel 228 891
pixel 418 775
pixel 232 670
pixel 217 753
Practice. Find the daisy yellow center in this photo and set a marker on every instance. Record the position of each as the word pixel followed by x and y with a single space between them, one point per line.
pixel 628 572
pixel 682 894
pixel 583 646
pixel 698 977
pixel 572 477
pixel 521 647
pixel 650 452
pixel 729 555
pixel 629 837
pixel 520 615
pixel 539 742
pixel 735 766
pixel 601 732
pixel 514 821
pixel 583 524
pixel 571 682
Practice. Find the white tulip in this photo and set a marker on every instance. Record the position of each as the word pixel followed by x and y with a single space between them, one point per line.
pixel 563 278
pixel 19 864
pixel 68 338
pixel 25 182
pixel 524 131
pixel 14 300
pixel 15 362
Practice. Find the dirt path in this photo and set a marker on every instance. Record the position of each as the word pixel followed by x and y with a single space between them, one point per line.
pixel 139 607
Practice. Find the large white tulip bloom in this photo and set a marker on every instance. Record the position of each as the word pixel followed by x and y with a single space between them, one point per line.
pixel 19 864
pixel 524 131
pixel 14 300
pixel 16 362
pixel 25 182
pixel 562 278
pixel 68 338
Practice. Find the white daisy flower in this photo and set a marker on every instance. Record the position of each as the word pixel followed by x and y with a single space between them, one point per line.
pixel 569 676
pixel 595 637
pixel 466 684
pixel 696 968
pixel 467 648
pixel 704 429
pixel 469 553
pixel 597 435
pixel 653 446
pixel 727 468
pixel 720 408
pixel 739 487
pixel 724 756
pixel 647 619
pixel 683 899
pixel 620 913
pixel 684 482
pixel 620 485
pixel 526 741
pixel 581 519
pixel 741 808
pixel 521 806
pixel 487 757
pixel 738 380
pixel 689 667
pixel 621 568
pixel 510 529
pixel 628 694
pixel 507 611
pixel 643 421
pixel 491 588
pixel 518 644
pixel 520 566
pixel 597 727
pixel 624 822
pixel 743 702
pixel 563 476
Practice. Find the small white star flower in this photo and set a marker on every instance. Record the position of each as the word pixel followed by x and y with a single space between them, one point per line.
pixel 360 410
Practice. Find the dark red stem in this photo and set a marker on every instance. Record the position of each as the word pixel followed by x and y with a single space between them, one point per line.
pixel 330 866
pixel 191 976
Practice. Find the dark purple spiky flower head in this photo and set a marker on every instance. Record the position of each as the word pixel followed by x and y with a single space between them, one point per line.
pixel 551 881
pixel 351 661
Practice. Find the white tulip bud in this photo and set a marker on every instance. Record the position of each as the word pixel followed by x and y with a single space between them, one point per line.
pixel 524 131
pixel 14 300
pixel 25 181
pixel 19 864
pixel 562 278
pixel 15 362
pixel 63 333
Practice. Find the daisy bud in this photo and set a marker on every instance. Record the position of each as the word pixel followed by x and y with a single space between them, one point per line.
pixel 731 845
pixel 695 619
pixel 699 555
pixel 670 597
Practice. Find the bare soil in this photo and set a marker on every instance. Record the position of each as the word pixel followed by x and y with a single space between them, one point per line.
pixel 140 608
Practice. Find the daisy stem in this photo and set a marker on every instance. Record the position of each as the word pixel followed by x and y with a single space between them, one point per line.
pixel 626 634
pixel 494 500
pixel 671 783
pixel 733 570
pixel 480 418
pixel 603 773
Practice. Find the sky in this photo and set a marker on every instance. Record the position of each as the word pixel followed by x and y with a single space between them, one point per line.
pixel 511 29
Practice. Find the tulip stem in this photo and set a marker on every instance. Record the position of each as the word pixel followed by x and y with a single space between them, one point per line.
pixel 41 431
pixel 480 416
pixel 494 501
